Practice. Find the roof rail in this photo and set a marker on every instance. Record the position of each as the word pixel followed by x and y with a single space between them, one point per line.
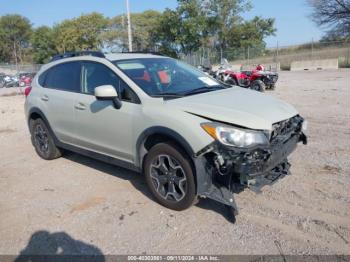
pixel 77 53
pixel 142 52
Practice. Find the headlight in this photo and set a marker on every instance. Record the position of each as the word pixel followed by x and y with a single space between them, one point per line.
pixel 233 136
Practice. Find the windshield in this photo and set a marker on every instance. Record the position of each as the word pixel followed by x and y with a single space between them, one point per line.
pixel 167 77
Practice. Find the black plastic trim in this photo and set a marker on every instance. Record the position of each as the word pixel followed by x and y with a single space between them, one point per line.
pixel 99 156
pixel 161 131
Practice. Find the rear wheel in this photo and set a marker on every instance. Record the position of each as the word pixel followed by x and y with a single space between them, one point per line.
pixel 42 140
pixel 170 177
pixel 258 85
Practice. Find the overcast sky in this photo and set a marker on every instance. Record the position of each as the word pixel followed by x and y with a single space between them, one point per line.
pixel 292 22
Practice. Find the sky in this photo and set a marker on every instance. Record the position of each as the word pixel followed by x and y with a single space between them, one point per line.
pixel 292 21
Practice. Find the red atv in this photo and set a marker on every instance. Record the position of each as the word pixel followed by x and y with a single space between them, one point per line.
pixel 25 79
pixel 257 79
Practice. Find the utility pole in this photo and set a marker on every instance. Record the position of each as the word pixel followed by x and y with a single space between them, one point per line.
pixel 129 25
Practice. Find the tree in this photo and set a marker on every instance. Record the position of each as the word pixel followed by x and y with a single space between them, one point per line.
pixel 143 26
pixel 223 16
pixel 333 15
pixel 183 30
pixel 43 44
pixel 247 38
pixel 82 33
pixel 15 31
pixel 211 23
pixel 251 33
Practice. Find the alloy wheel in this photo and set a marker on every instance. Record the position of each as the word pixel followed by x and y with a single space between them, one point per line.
pixel 168 178
pixel 41 139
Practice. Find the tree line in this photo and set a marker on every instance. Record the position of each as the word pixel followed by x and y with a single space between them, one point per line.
pixel 194 24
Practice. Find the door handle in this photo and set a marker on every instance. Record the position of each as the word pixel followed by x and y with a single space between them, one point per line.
pixel 45 98
pixel 80 106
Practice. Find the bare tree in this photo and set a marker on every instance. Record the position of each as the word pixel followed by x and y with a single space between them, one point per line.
pixel 333 15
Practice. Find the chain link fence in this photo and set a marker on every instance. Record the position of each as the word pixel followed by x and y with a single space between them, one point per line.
pixel 278 58
pixel 12 69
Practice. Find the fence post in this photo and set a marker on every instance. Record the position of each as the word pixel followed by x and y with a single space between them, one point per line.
pixel 248 55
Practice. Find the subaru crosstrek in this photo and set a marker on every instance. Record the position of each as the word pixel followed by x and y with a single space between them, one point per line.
pixel 190 135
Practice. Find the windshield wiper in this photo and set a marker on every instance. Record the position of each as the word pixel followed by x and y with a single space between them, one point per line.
pixel 174 95
pixel 203 89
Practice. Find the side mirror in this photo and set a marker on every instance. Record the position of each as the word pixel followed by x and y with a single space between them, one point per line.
pixel 107 92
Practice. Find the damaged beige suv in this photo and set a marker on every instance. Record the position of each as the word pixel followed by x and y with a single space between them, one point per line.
pixel 189 135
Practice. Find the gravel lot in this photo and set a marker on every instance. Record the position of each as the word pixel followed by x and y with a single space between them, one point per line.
pixel 79 205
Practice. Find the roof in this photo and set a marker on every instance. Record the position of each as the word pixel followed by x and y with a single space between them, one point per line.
pixel 122 56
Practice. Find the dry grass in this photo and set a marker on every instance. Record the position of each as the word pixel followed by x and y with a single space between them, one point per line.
pixel 286 57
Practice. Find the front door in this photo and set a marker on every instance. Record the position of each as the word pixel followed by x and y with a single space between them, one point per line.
pixel 100 126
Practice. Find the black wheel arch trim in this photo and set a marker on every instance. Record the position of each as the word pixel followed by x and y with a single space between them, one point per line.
pixel 36 110
pixel 161 131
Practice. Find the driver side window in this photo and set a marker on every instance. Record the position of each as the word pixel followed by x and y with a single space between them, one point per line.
pixel 95 74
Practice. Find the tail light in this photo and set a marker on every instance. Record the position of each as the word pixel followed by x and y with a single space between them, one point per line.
pixel 27 90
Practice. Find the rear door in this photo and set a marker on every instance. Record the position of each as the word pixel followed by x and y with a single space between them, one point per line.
pixel 61 87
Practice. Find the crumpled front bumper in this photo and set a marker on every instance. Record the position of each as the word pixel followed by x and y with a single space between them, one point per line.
pixel 260 161
pixel 223 170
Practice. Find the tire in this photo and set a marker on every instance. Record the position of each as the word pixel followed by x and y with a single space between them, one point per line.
pixel 232 81
pixel 258 85
pixel 172 185
pixel 222 77
pixel 42 140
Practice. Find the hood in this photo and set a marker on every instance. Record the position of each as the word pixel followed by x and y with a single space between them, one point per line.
pixel 237 106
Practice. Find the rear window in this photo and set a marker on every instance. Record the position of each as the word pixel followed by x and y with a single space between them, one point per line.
pixel 64 77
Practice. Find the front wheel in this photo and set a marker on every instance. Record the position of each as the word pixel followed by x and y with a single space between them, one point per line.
pixel 258 85
pixel 169 176
pixel 232 81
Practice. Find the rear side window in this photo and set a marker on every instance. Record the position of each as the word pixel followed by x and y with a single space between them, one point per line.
pixel 42 79
pixel 64 77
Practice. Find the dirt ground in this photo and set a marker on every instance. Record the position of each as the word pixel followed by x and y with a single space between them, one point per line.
pixel 79 205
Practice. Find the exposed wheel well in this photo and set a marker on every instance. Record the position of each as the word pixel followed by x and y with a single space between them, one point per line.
pixel 34 116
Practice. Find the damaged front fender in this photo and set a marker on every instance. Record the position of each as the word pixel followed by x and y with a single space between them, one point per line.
pixel 223 170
